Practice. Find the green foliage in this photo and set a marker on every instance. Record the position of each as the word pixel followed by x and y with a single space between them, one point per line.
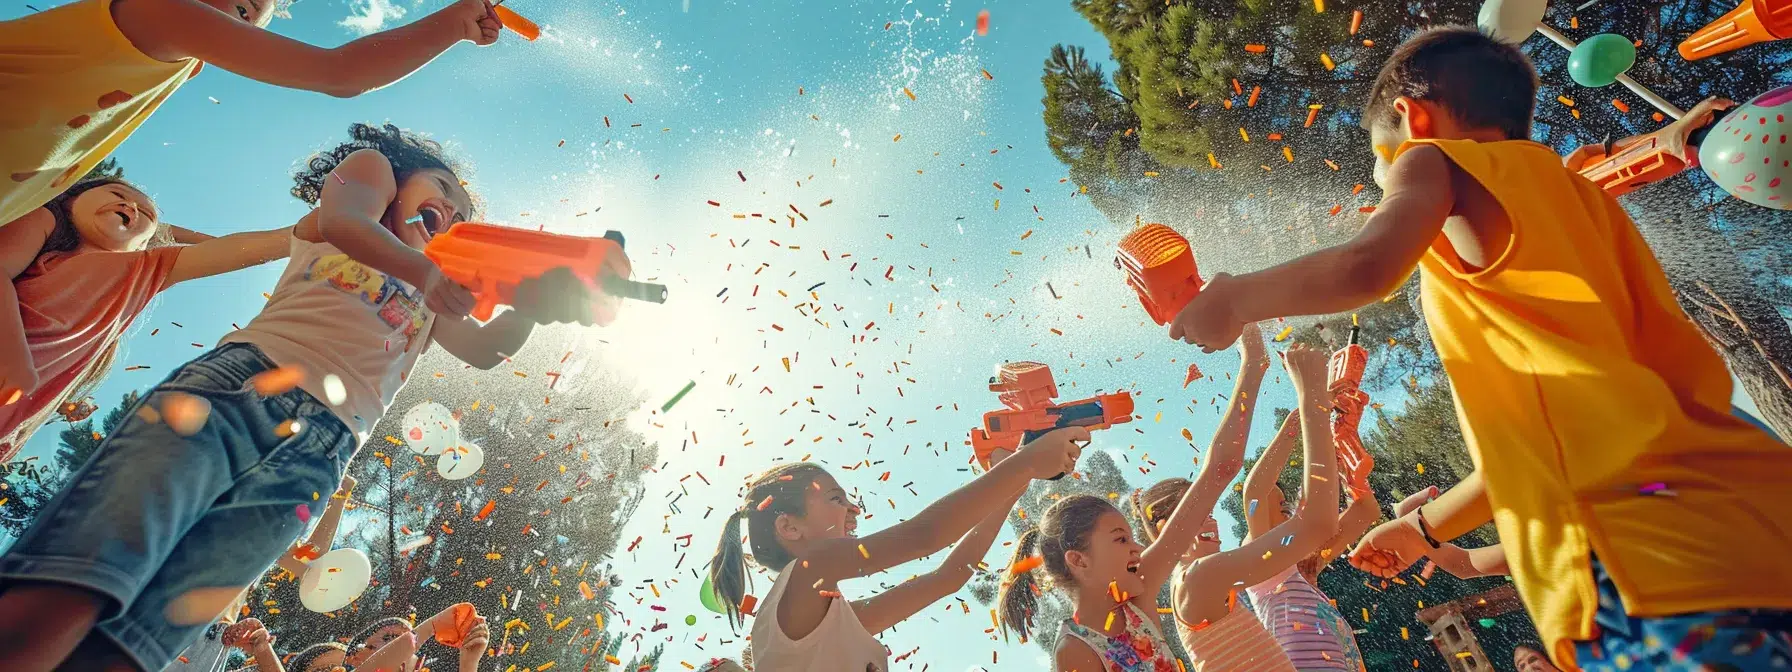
pixel 107 169
pixel 29 486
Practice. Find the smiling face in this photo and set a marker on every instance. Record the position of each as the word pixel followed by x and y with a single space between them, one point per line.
pixel 828 513
pixel 428 202
pixel 113 218
pixel 376 640
pixel 330 660
pixel 253 12
pixel 1527 659
pixel 1112 557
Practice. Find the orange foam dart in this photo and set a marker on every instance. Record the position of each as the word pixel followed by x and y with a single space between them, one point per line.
pixel 524 28
pixel 1752 22
pixel 493 260
pixel 1160 268
pixel 463 618
pixel 485 510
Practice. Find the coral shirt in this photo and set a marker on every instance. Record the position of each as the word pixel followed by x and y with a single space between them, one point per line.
pixel 74 88
pixel 74 307
pixel 1581 387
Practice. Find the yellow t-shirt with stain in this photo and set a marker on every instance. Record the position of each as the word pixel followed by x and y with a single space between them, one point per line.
pixel 1580 382
pixel 74 88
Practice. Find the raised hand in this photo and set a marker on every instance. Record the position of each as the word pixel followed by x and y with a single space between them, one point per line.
pixel 479 22
pixel 1055 453
pixel 1391 547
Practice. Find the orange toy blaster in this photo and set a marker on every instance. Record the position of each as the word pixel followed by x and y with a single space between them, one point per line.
pixel 1348 400
pixel 493 260
pixel 1645 161
pixel 1752 22
pixel 1160 267
pixel 1027 389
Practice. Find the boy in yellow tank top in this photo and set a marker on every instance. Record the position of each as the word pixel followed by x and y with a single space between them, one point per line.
pixel 1645 526
pixel 81 77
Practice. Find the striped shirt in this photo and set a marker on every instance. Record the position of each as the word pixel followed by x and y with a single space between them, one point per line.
pixel 1235 643
pixel 1310 629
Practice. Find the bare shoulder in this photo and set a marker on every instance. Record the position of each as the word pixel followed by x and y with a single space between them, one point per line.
pixel 1074 655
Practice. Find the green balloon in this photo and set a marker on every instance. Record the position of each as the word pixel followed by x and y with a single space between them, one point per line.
pixel 1599 59
pixel 690 619
pixel 711 601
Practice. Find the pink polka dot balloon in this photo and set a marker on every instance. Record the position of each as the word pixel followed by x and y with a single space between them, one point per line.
pixel 1749 153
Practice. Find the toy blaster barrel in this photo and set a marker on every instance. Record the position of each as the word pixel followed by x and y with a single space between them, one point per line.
pixel 1008 429
pixel 1752 22
pixel 1345 380
pixel 523 27
pixel 1160 267
pixel 493 260
pixel 1347 364
pixel 1644 162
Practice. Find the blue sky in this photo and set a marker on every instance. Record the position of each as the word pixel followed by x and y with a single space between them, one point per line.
pixel 805 99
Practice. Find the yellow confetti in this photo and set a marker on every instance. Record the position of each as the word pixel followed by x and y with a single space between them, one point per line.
pixel 1288 153
pixel 1213 161
pixel 864 552
pixel 1319 6
pixel 906 92
pixel 1283 334
pixel 1242 134
pixel 1421 467
pixel 1326 59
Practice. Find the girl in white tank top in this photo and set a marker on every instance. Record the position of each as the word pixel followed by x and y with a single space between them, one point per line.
pixel 802 523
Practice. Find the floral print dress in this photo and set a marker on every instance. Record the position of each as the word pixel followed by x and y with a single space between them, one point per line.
pixel 1138 647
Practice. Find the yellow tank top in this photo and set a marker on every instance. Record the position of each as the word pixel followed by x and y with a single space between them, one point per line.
pixel 1580 384
pixel 75 89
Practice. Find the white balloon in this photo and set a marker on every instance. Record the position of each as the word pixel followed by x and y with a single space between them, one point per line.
pixel 1512 21
pixel 334 580
pixel 430 428
pixel 461 462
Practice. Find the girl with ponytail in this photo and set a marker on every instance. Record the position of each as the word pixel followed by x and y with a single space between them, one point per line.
pixel 1204 593
pixel 802 525
pixel 1086 547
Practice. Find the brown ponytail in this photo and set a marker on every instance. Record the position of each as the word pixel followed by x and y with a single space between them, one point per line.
pixel 1066 526
pixel 1020 591
pixel 777 492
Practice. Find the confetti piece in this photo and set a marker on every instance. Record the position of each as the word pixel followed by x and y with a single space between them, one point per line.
pixel 1356 21
pixel 1026 564
pixel 185 413
pixel 674 400
pixel 863 552
pixel 1319 6
pixel 1255 48
pixel 277 381
pixel 1194 372
pixel 304 513
pixel 906 92
pixel 983 22
pixel 1620 105
pixel 486 510
pixel 747 604
pixel 1283 334
pixel 1326 60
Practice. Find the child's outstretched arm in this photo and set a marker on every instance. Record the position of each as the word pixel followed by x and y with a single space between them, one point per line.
pixel 895 605
pixel 556 296
pixel 1357 518
pixel 1463 563
pixel 1260 484
pixel 1393 546
pixel 1418 197
pixel 947 519
pixel 237 251
pixel 20 243
pixel 1316 519
pixel 171 30
pixel 324 536
pixel 355 197
pixel 1225 457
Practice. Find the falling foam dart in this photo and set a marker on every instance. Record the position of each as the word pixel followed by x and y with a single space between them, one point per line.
pixel 1752 22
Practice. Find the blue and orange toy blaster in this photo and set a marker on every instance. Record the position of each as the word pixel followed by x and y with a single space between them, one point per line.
pixel 1027 390
pixel 492 260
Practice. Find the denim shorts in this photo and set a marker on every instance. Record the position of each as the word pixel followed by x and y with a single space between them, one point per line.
pixel 154 516
pixel 1737 640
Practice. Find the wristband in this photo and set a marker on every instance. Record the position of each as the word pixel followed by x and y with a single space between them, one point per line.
pixel 1425 528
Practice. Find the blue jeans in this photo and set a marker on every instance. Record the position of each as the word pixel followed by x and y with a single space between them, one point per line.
pixel 1737 640
pixel 154 516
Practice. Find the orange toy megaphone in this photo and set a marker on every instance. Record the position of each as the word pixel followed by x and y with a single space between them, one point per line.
pixel 1159 266
pixel 493 260
pixel 1752 22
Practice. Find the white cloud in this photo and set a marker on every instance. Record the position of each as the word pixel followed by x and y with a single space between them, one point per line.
pixel 371 16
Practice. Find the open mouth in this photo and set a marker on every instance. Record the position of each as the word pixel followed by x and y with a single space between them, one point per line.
pixel 1132 567
pixel 1208 536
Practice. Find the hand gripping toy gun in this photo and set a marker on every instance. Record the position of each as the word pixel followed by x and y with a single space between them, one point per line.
pixel 1348 400
pixel 1160 267
pixel 1644 162
pixel 1027 389
pixel 493 260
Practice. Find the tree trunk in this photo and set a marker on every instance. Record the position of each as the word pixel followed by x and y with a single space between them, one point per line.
pixel 1753 337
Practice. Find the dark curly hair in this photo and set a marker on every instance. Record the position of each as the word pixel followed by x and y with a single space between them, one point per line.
pixel 408 152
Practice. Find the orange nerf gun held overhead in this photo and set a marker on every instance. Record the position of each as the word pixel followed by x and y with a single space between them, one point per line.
pixel 1027 389
pixel 1345 379
pixel 1160 267
pixel 1645 161
pixel 1751 22
pixel 492 260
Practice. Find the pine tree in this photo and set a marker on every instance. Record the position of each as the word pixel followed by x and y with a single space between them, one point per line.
pixel 31 485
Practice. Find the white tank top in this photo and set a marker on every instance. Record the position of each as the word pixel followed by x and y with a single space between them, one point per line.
pixel 333 316
pixel 838 644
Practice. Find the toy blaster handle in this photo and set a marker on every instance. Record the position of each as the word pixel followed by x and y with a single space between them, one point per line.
pixel 1008 429
pixel 1644 162
pixel 493 260
pixel 1160 267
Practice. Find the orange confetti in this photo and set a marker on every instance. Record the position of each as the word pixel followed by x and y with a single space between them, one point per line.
pixel 1620 105
pixel 486 510
pixel 277 381
pixel 1026 564
pixel 1356 21
pixel 1256 48
pixel 748 603
pixel 1326 60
